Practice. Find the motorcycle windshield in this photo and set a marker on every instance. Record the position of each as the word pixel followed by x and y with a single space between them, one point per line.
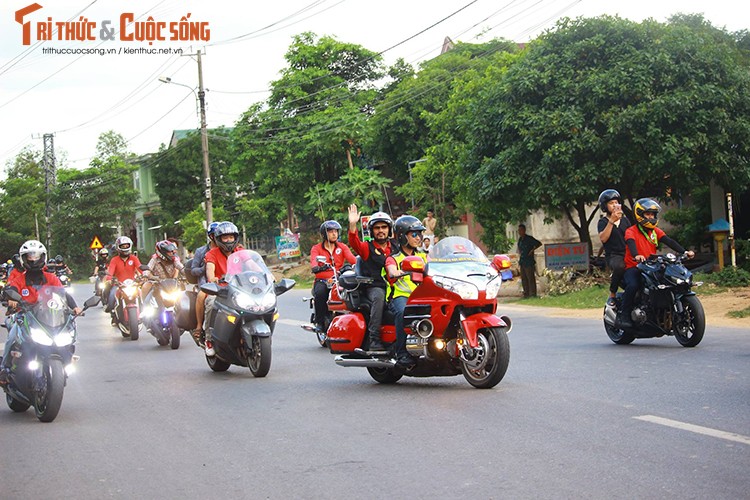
pixel 51 308
pixel 457 257
pixel 246 269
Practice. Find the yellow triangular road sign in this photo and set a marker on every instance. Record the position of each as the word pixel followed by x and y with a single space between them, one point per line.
pixel 96 244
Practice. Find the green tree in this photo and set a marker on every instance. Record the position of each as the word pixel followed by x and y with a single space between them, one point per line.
pixel 310 128
pixel 22 200
pixel 651 109
pixel 329 200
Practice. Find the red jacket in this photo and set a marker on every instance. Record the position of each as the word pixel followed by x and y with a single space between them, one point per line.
pixel 363 249
pixel 643 245
pixel 340 254
pixel 28 292
pixel 123 269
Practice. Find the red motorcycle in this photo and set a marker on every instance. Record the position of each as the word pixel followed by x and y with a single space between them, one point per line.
pixel 450 319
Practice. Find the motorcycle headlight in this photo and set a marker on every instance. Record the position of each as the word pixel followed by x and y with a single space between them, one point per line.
pixel 101 285
pixel 130 291
pixel 268 301
pixel 171 297
pixel 148 311
pixel 64 338
pixel 40 337
pixel 493 287
pixel 243 300
pixel 258 305
pixel 463 289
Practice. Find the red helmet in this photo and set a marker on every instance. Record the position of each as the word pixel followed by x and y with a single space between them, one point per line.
pixel 166 250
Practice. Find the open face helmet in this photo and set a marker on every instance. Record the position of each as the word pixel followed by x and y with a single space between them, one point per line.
pixel 407 224
pixel 380 217
pixel 606 196
pixel 124 246
pixel 33 255
pixel 328 225
pixel 646 213
pixel 104 252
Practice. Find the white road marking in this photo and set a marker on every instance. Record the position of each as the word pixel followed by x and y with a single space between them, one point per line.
pixel 707 431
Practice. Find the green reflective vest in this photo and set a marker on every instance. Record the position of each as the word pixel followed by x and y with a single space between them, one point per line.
pixel 404 285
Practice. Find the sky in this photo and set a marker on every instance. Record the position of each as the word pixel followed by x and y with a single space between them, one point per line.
pixel 78 96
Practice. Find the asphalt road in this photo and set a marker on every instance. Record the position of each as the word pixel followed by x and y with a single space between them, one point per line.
pixel 575 417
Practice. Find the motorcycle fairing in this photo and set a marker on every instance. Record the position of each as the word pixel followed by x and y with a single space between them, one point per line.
pixel 475 322
pixel 255 328
pixel 346 332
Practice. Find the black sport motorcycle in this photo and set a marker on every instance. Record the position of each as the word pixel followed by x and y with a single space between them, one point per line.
pixel 43 353
pixel 665 305
pixel 158 313
pixel 244 314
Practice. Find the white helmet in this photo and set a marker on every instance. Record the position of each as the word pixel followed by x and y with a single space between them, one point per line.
pixel 33 255
pixel 124 246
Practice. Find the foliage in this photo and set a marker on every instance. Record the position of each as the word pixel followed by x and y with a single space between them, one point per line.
pixel 728 277
pixel 178 174
pixel 650 109
pixel 586 298
pixel 742 313
pixel 361 186
pixel 310 129
pixel 690 222
pixel 569 280
pixel 194 226
pixel 22 200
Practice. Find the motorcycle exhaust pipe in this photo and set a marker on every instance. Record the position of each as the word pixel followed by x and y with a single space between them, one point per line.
pixel 423 328
pixel 364 362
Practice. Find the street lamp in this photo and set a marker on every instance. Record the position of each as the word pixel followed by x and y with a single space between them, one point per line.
pixel 204 136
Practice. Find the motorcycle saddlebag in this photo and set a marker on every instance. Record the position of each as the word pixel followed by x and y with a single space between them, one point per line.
pixel 184 311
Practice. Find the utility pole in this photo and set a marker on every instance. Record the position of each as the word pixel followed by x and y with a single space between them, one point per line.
pixel 50 176
pixel 204 144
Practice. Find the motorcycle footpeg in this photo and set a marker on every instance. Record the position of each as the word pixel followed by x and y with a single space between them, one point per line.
pixel 362 352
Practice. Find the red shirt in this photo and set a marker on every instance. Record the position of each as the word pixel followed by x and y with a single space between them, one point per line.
pixel 123 269
pixel 340 254
pixel 643 245
pixel 219 260
pixel 363 249
pixel 28 292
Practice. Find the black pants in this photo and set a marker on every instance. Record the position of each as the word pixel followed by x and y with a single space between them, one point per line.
pixel 377 301
pixel 320 294
pixel 616 264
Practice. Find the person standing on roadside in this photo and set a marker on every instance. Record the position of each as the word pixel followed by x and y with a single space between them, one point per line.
pixel 526 246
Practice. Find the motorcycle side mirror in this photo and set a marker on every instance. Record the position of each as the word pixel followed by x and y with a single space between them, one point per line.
pixel 413 264
pixel 91 302
pixel 13 295
pixel 210 288
pixel 283 286
pixel 144 267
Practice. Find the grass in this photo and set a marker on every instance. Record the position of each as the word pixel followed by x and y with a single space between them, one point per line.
pixel 302 281
pixel 742 313
pixel 589 298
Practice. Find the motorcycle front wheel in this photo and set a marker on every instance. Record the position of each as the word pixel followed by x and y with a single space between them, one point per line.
pixel 16 405
pixel 49 395
pixel 491 361
pixel 259 356
pixel 133 325
pixel 690 332
pixel 174 336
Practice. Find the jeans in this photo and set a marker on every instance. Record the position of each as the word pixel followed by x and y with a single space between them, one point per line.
pixel 320 294
pixel 616 264
pixel 377 303
pixel 12 334
pixel 397 306
pixel 632 280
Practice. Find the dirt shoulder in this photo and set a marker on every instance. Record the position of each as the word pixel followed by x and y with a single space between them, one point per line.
pixel 716 307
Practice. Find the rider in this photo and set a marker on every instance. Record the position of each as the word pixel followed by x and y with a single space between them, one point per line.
pixel 642 240
pixel 226 237
pixel 335 253
pixel 198 270
pixel 33 255
pixel 101 261
pixel 123 266
pixel 62 267
pixel 373 254
pixel 612 226
pixel 163 264
pixel 409 231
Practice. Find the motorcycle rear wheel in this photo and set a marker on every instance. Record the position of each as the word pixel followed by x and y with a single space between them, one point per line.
pixel 618 336
pixel 497 352
pixel 16 405
pixel 48 400
pixel 216 364
pixel 174 336
pixel 696 320
pixel 259 356
pixel 133 326
pixel 384 375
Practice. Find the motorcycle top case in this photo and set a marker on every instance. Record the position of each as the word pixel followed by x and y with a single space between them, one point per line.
pixel 184 311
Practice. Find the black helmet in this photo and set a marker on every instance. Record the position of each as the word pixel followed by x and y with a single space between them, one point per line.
pixel 607 196
pixel 166 250
pixel 225 228
pixel 405 224
pixel 642 209
pixel 380 217
pixel 59 259
pixel 327 225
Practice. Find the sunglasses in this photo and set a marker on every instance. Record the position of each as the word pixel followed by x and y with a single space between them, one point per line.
pixel 415 234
